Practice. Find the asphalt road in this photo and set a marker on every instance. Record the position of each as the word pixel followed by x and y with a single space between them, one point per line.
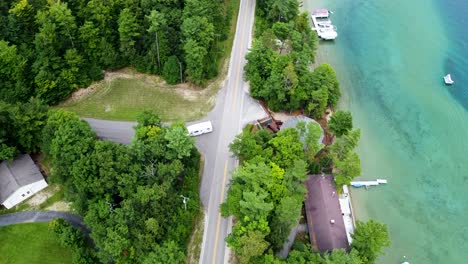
pixel 234 108
pixel 228 124
pixel 40 216
pixel 117 131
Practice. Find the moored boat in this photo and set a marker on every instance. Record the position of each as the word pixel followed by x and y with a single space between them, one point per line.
pixel 448 79
pixel 327 33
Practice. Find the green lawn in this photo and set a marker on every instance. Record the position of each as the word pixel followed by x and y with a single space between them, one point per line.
pixel 31 244
pixel 123 98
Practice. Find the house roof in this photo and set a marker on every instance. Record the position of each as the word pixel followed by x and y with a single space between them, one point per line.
pixel 322 206
pixel 21 172
pixel 292 122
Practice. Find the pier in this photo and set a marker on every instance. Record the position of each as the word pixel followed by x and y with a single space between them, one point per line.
pixel 366 184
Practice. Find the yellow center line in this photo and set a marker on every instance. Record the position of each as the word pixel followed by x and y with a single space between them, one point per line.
pixel 241 47
pixel 219 214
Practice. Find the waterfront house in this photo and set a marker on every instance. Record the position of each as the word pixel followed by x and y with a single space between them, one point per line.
pixel 324 216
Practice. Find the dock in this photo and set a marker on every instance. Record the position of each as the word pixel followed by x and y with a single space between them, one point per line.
pixel 358 184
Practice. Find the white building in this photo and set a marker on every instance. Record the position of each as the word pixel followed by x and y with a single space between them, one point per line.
pixel 19 180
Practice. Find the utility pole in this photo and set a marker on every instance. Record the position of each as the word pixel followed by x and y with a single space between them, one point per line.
pixel 184 201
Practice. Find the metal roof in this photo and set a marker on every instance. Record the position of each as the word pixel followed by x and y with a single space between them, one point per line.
pixel 21 172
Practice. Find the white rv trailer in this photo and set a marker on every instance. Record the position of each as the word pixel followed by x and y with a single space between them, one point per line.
pixel 200 128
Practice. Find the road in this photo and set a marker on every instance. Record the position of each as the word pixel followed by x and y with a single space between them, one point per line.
pixel 40 216
pixel 234 108
pixel 216 176
pixel 117 131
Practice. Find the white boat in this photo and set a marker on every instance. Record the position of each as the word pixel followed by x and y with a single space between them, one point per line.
pixel 326 26
pixel 324 22
pixel 448 79
pixel 327 33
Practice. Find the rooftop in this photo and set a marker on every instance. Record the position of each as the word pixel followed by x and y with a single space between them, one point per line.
pixel 324 218
pixel 293 121
pixel 22 171
pixel 320 11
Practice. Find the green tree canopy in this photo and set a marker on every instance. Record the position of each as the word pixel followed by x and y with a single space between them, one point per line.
pixel 369 238
pixel 172 71
pixel 13 87
pixel 325 76
pixel 341 123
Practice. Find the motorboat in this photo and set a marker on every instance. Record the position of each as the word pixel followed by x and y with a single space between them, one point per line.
pixel 448 79
pixel 326 26
pixel 324 22
pixel 327 33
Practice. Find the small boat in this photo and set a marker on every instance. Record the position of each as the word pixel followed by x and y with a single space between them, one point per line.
pixel 448 79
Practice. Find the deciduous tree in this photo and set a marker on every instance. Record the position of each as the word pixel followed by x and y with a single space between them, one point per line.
pixel 369 238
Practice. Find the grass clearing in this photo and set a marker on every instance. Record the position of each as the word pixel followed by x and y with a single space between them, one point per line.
pixel 123 95
pixel 31 244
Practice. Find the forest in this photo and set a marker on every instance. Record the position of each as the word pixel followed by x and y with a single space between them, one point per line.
pixel 49 48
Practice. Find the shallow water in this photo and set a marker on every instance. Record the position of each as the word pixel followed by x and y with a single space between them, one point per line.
pixel 390 57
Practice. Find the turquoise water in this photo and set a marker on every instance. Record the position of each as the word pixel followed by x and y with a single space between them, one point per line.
pixel 390 57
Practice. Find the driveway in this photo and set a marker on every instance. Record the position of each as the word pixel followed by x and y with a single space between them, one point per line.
pixel 41 216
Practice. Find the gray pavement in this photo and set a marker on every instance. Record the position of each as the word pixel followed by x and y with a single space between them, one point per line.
pixel 228 123
pixel 117 131
pixel 40 216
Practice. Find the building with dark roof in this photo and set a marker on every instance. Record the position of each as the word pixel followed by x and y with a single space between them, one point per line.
pixel 324 217
pixel 19 180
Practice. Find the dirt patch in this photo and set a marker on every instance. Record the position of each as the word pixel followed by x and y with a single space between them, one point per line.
pixel 42 196
pixel 59 206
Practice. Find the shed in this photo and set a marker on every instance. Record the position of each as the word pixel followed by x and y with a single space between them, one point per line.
pixel 19 180
pixel 324 216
